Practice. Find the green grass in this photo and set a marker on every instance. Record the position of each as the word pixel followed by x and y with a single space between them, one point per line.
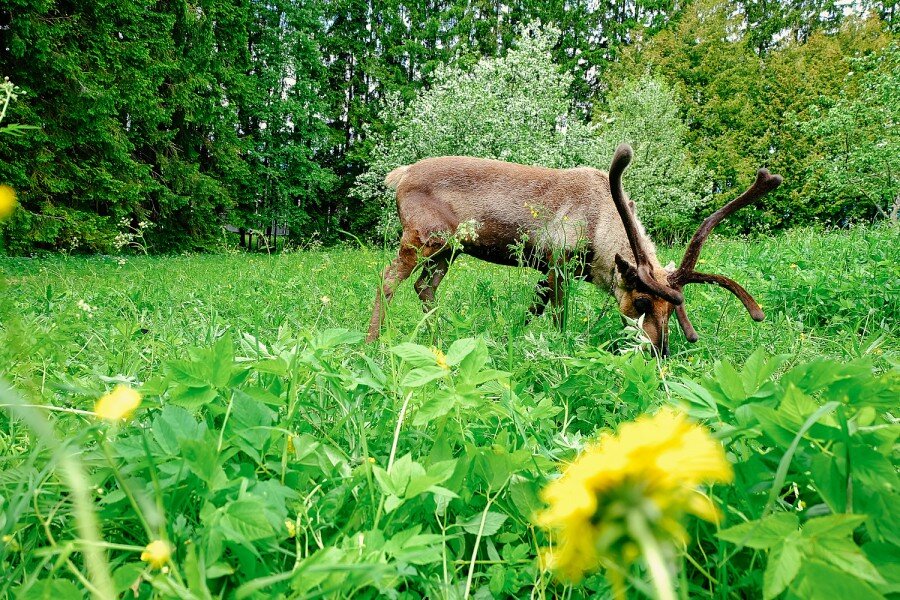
pixel 72 327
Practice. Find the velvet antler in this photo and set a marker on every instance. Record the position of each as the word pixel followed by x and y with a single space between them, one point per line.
pixel 640 274
pixel 685 274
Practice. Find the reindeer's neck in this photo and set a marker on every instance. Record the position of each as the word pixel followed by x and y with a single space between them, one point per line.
pixel 609 239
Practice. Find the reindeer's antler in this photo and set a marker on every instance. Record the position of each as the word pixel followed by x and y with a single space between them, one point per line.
pixel 639 275
pixel 765 183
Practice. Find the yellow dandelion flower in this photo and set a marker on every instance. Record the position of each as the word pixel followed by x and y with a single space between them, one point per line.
pixel 119 404
pixel 440 359
pixel 648 473
pixel 157 553
pixel 291 527
pixel 7 201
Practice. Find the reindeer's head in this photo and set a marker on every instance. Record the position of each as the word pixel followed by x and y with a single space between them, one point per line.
pixel 654 292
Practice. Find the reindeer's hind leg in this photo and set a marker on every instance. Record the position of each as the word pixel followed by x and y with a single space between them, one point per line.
pixel 399 269
pixel 426 223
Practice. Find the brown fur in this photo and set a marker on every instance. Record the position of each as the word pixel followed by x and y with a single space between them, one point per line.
pixel 555 210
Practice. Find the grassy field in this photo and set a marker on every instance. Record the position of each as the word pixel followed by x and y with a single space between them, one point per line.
pixel 278 454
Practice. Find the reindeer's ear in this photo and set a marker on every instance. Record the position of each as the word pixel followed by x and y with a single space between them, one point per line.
pixel 628 272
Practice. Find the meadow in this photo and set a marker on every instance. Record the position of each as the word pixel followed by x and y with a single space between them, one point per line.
pixel 280 456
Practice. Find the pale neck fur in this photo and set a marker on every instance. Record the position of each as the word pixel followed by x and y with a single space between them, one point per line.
pixel 609 238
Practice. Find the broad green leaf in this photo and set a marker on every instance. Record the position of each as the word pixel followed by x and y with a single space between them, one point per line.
pixel 492 523
pixel 423 375
pixel 421 480
pixel 263 395
pixel 524 495
pixel 436 405
pixel 249 424
pixel 220 361
pixel 400 472
pixel 385 482
pixel 488 375
pixel 50 589
pixel 847 556
pixel 730 382
pixel 275 366
pixel 414 354
pixel 702 403
pixel 884 514
pixel 192 397
pixel 795 407
pixel 459 350
pixel 832 525
pixel 441 471
pixel 392 503
pixel 884 558
pixel 763 533
pixel 418 481
pixel 759 368
pixel 829 482
pixel 217 570
pixel 780 429
pixel 782 566
pixel 872 468
pixel 331 338
pixel 171 425
pixel 819 581
pixel 246 517
pixel 125 576
pixel 203 460
pixel 188 373
pixel 414 548
pixel 474 361
pixel 196 578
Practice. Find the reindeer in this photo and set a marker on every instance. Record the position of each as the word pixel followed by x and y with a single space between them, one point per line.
pixel 553 211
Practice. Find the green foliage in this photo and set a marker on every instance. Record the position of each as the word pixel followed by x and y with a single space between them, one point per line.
pixel 279 454
pixel 745 110
pixel 859 142
pixel 819 446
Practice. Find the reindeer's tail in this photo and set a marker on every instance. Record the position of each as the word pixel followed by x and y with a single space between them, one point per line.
pixel 394 178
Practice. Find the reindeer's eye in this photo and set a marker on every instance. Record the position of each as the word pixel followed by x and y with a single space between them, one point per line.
pixel 642 305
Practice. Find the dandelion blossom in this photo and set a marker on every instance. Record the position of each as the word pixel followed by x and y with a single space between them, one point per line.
pixel 440 359
pixel 119 404
pixel 626 496
pixel 7 201
pixel 157 554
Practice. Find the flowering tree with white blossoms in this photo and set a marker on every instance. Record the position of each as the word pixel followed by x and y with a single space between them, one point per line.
pixel 513 108
pixel 516 108
pixel 667 188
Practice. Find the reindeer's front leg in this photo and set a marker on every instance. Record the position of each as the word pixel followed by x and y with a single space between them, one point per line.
pixel 550 290
pixel 433 272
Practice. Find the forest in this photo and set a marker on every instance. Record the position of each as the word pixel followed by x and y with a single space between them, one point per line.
pixel 186 118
